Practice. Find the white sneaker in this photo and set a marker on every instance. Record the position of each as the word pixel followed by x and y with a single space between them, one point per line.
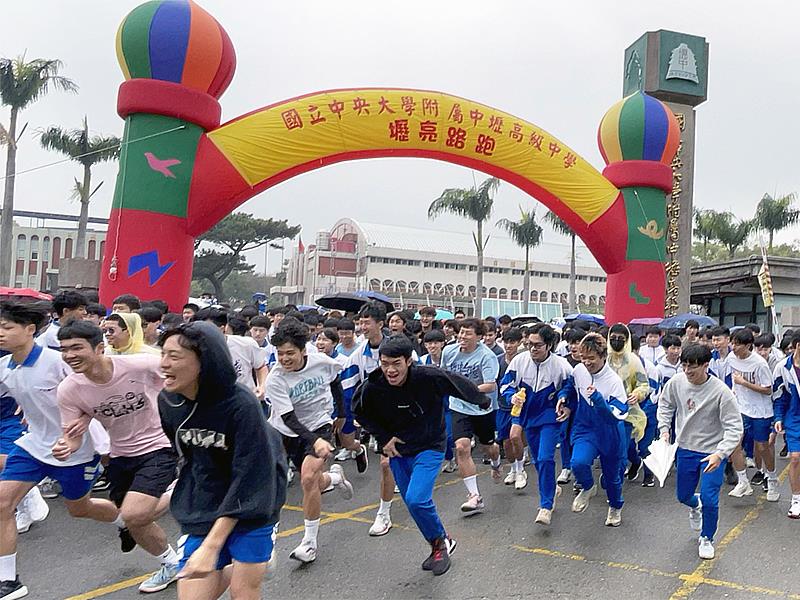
pixel 450 466
pixel 306 552
pixel 344 454
pixel 160 580
pixel 696 516
pixel 511 477
pixel 751 464
pixel 705 548
pixel 373 444
pixel 794 510
pixel 272 564
pixel 773 495
pixel 564 476
pixel 526 456
pixel 544 516
pixel 35 505
pixel 614 517
pixel 521 480
pixel 381 526
pixel 743 488
pixel 343 486
pixel 473 505
pixel 582 499
pixel 289 476
pixel 23 519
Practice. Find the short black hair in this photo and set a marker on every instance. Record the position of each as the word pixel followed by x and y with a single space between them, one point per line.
pixel 260 321
pixel 454 323
pixel 478 326
pixel 95 308
pixel 374 310
pixel 296 314
pixel 171 321
pixel 237 325
pixel 217 316
pixel 636 343
pixel 150 314
pixel 311 319
pixel 68 299
pixel 397 346
pixel 707 333
pixel 400 315
pixel 755 328
pixel 594 342
pixel 795 340
pixel 191 306
pixel 504 319
pixel 652 330
pixel 460 311
pixel 290 331
pixel 490 319
pixel 159 304
pixel 574 336
pixel 128 300
pixel 346 325
pixel 489 326
pixel 619 328
pixel 670 340
pixel 742 336
pixel 118 320
pixel 720 331
pixel 763 341
pixel 544 331
pixel 513 335
pixel 330 322
pixel 695 354
pixel 427 310
pixel 248 312
pixel 85 330
pixel 330 333
pixel 434 335
pixel 23 313
pixel 692 323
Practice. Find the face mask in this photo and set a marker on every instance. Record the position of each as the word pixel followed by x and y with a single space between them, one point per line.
pixel 617 345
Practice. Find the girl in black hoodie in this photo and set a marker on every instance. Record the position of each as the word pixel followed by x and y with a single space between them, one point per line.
pixel 232 470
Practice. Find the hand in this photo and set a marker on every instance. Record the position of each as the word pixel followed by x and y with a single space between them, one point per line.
pixel 202 562
pixel 713 460
pixel 632 399
pixel 61 450
pixel 259 392
pixel 518 399
pixel 737 378
pixel 338 423
pixel 516 432
pixel 562 411
pixel 77 427
pixel 771 442
pixel 322 448
pixel 779 426
pixel 665 436
pixel 590 389
pixel 390 448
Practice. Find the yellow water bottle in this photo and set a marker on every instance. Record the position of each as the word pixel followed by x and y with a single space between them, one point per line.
pixel 517 400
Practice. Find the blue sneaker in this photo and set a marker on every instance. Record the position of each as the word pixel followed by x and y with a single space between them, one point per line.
pixel 160 579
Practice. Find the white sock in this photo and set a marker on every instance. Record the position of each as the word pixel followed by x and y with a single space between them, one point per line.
pixel 519 466
pixel 385 508
pixel 336 478
pixel 311 529
pixel 472 484
pixel 170 557
pixel 119 522
pixel 496 463
pixel 772 475
pixel 742 476
pixel 8 567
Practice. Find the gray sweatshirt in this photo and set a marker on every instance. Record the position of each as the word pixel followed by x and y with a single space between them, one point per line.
pixel 707 417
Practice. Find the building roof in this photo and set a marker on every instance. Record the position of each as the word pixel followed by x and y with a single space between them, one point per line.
pixel 460 243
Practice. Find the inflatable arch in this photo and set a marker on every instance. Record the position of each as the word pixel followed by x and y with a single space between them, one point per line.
pixel 181 171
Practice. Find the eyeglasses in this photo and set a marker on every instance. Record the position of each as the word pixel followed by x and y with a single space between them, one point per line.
pixel 536 345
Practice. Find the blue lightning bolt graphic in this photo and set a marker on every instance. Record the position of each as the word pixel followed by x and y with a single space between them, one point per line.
pixel 149 261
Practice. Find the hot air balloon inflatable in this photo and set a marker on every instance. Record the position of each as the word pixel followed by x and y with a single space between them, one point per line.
pixel 181 172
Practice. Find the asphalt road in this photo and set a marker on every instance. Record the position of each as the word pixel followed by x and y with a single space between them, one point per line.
pixel 500 554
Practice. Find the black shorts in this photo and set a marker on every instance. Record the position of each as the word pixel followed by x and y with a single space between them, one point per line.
pixel 148 474
pixel 480 426
pixel 297 449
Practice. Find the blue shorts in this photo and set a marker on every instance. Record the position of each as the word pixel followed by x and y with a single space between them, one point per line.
pixel 349 421
pixel 11 429
pixel 76 480
pixel 503 424
pixel 792 439
pixel 254 546
pixel 759 429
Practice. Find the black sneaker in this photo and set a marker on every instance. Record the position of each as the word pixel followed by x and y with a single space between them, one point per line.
pixel 634 470
pixel 127 543
pixel 649 480
pixel 730 474
pixel 784 451
pixel 758 478
pixel 362 461
pixel 101 484
pixel 440 557
pixel 427 564
pixel 11 590
pixel 764 484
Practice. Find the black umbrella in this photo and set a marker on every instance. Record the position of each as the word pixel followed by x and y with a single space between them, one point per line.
pixel 353 301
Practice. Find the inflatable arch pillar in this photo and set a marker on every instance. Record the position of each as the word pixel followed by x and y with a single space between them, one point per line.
pixel 181 171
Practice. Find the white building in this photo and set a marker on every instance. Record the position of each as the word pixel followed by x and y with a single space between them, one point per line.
pixel 417 267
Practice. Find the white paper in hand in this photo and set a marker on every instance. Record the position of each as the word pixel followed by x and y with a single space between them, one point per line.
pixel 660 460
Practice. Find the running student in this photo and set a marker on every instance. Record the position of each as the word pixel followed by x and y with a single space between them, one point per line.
pixel 598 428
pixel 121 393
pixel 232 470
pixel 707 429
pixel 787 418
pixel 403 405
pixel 31 374
pixel 513 447
pixel 303 388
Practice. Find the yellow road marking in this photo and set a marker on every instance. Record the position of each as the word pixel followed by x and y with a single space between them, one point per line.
pixel 114 587
pixel 699 575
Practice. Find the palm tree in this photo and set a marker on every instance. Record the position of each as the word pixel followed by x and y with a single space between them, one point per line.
pixel 774 214
pixel 526 233
pixel 474 204
pixel 87 150
pixel 560 226
pixel 21 84
pixel 732 232
pixel 705 227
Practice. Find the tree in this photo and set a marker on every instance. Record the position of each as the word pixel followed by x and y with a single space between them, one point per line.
pixel 476 205
pixel 21 84
pixel 775 214
pixel 732 232
pixel 237 233
pixel 87 150
pixel 705 227
pixel 560 226
pixel 526 233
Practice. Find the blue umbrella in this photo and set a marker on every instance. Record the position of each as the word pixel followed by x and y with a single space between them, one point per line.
pixel 441 315
pixel 592 318
pixel 679 321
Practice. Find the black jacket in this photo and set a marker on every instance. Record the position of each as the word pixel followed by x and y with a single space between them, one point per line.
pixel 414 411
pixel 232 463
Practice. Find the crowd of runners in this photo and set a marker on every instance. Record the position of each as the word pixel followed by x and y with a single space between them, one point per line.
pixel 132 412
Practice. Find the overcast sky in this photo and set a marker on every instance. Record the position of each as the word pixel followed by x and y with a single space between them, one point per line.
pixel 556 64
